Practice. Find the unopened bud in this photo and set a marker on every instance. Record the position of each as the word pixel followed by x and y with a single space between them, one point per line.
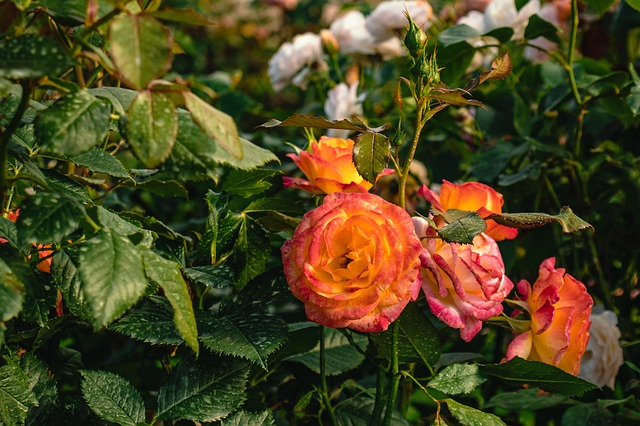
pixel 329 42
pixel 415 39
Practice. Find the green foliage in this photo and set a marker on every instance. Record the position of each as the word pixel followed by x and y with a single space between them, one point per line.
pixel 112 398
pixel 370 154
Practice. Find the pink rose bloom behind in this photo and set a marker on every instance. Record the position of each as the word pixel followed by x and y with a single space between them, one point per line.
pixel 353 262
pixel 559 307
pixel 464 284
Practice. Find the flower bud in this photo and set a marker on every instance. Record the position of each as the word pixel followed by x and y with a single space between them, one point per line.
pixel 329 42
pixel 415 39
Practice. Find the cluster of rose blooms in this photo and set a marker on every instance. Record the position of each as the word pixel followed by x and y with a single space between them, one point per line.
pixel 357 260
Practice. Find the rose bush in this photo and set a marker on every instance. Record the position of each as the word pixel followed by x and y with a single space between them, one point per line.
pixel 353 262
pixel 328 167
pixel 464 284
pixel 559 307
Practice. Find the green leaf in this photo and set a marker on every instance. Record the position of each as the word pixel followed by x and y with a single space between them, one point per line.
pixel 268 288
pixel 246 418
pixel 116 223
pixel 468 416
pixel 216 124
pixel 168 276
pixel 151 127
pixel 112 397
pixel 569 221
pixel 48 217
pixel 206 390
pixel 64 270
pixel 58 182
pixel 12 293
pixel 538 27
pixel 140 47
pixel 248 184
pixel 601 6
pixel 370 154
pixel 301 120
pixel 456 34
pixel 218 276
pixel 593 414
pixel 546 377
pixel 251 251
pixel 9 232
pixel 15 396
pixel 522 115
pixel 112 275
pixel 32 56
pixel 253 336
pixel 340 355
pixel 417 338
pixel 119 98
pixel 635 4
pixel 457 379
pixel 462 226
pixel 357 412
pixel 74 124
pixel 151 321
pixel 72 12
pixel 525 400
pixel 184 16
pixel 281 205
pixel 99 161
pixel 633 100
pixel 40 380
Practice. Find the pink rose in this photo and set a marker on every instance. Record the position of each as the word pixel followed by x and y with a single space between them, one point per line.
pixel 353 262
pixel 465 284
pixel 559 307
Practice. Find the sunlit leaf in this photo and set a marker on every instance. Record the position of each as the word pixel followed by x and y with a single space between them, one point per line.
pixel 244 418
pixel 152 125
pixel 500 69
pixel 216 124
pixel 48 217
pixel 15 396
pixel 74 124
pixel 371 154
pixel 99 161
pixel 247 184
pixel 112 275
pixel 12 293
pixel 168 276
pixel 184 16
pixel 112 398
pixel 462 226
pixel 140 47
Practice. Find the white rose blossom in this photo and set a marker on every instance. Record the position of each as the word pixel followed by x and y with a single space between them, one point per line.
pixel 389 17
pixel 290 63
pixel 603 356
pixel 343 102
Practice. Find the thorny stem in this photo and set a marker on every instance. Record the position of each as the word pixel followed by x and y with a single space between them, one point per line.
pixel 377 406
pixel 5 137
pixel 323 380
pixel 572 50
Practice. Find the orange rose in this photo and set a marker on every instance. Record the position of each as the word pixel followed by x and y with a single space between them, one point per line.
pixel 475 197
pixel 328 167
pixel 353 262
pixel 559 307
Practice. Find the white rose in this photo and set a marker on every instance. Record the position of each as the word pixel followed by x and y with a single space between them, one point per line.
pixel 603 356
pixel 352 35
pixel 389 17
pixel 503 13
pixel 342 102
pixel 304 50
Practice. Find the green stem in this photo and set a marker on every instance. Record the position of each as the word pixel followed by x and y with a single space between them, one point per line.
pixel 323 380
pixel 5 137
pixel 377 406
pixel 394 375
pixel 412 152
pixel 572 50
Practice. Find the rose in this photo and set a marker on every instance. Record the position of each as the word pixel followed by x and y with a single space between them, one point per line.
pixel 603 356
pixel 390 16
pixel 329 167
pixel 472 196
pixel 353 261
pixel 464 284
pixel 343 102
pixel 559 308
pixel 286 65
